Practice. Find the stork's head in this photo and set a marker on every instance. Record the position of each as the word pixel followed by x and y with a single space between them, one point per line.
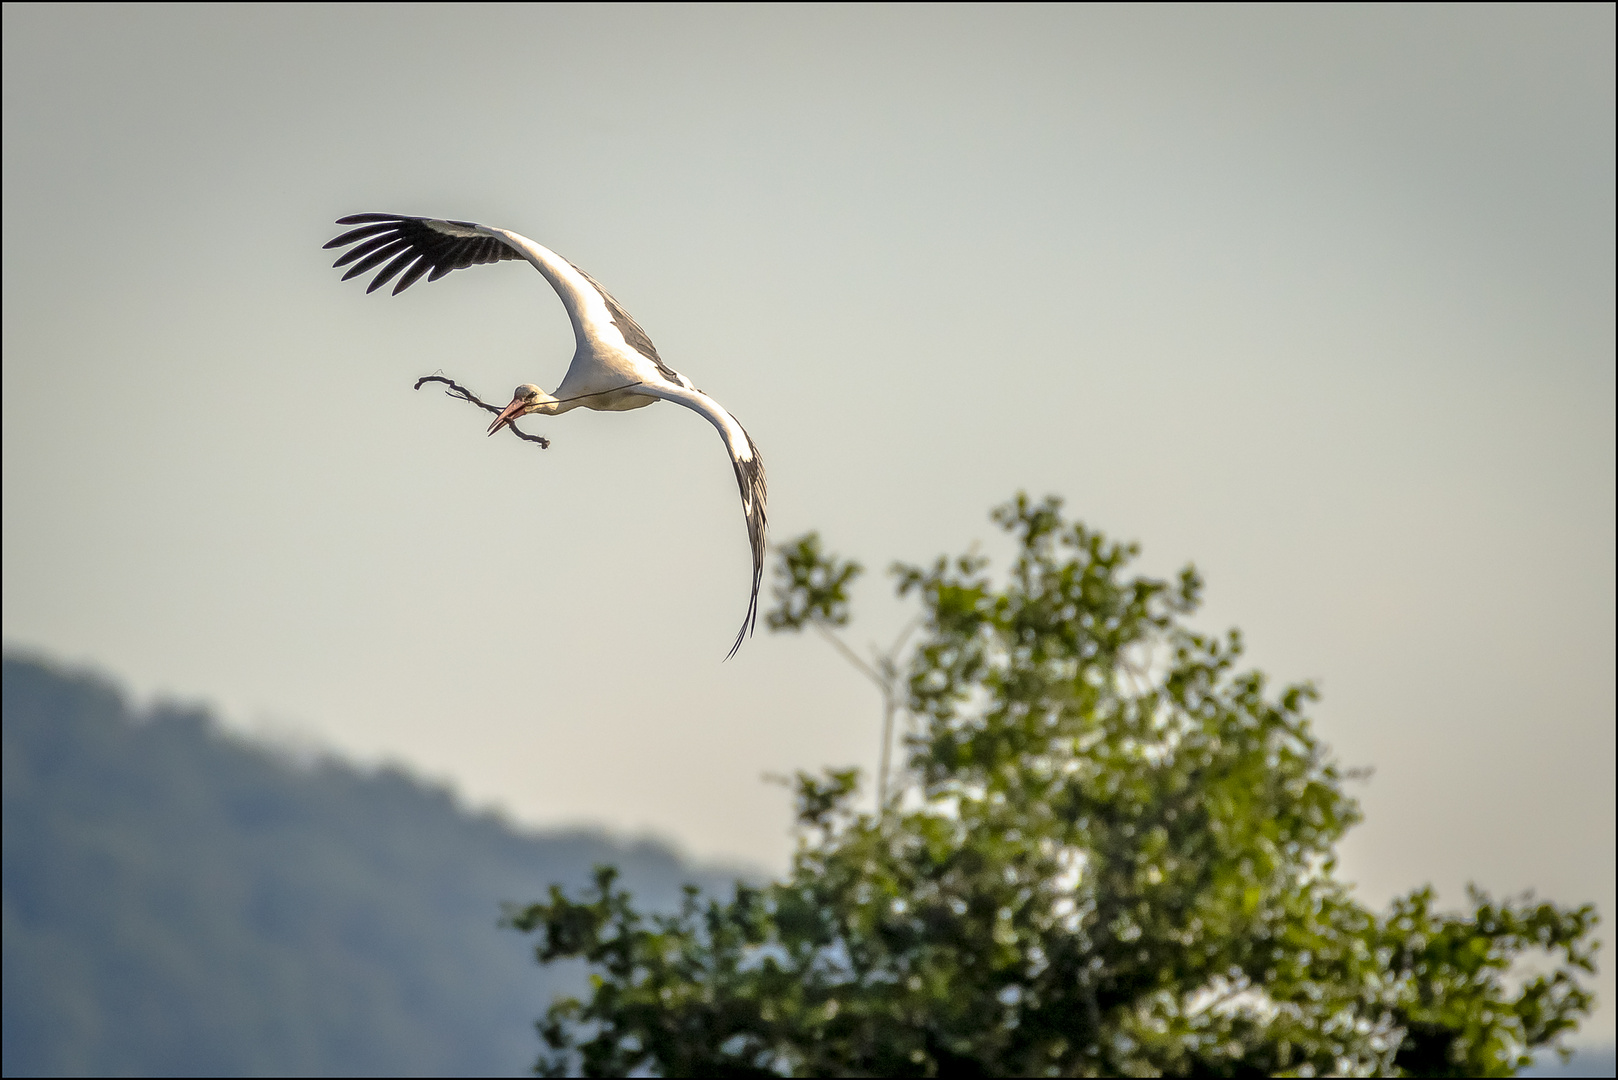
pixel 526 399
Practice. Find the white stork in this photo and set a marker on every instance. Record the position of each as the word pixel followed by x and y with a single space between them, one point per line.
pixel 615 366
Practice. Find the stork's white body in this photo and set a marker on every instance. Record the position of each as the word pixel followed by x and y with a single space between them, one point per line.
pixel 603 361
pixel 615 366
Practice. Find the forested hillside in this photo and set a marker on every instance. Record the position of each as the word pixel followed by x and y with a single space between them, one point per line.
pixel 178 901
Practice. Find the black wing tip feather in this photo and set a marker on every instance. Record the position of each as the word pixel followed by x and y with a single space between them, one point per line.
pixel 745 632
pixel 750 478
pixel 363 219
pixel 750 620
pixel 408 248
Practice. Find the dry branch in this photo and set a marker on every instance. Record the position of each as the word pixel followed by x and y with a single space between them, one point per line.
pixel 456 390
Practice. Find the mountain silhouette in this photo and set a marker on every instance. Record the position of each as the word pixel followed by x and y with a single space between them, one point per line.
pixel 181 901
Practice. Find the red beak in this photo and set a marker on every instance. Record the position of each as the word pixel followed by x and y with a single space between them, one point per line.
pixel 510 413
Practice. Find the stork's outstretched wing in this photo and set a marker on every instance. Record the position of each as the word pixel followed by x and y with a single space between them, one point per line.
pixel 415 246
pixel 749 480
pixel 409 247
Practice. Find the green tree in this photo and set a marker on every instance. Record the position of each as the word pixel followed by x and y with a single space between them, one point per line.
pixel 1110 854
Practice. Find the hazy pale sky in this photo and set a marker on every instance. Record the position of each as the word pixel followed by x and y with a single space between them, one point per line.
pixel 1319 298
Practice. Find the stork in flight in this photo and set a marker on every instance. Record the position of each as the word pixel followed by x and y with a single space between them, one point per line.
pixel 615 366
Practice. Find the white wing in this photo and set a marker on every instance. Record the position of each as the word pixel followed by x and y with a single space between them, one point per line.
pixel 749 479
pixel 410 247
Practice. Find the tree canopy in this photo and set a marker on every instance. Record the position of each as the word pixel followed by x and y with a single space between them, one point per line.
pixel 1110 853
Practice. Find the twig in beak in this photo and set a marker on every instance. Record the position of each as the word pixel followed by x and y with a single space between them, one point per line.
pixel 511 413
pixel 456 390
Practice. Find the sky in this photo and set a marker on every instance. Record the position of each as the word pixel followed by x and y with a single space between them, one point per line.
pixel 1321 299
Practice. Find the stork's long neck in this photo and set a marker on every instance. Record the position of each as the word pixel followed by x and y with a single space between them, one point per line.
pixel 614 397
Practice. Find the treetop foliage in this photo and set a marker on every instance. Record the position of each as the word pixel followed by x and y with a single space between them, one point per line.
pixel 1111 855
pixel 815 589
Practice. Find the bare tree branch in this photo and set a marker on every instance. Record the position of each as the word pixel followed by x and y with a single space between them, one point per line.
pixel 461 393
pixel 851 656
pixel 887 677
